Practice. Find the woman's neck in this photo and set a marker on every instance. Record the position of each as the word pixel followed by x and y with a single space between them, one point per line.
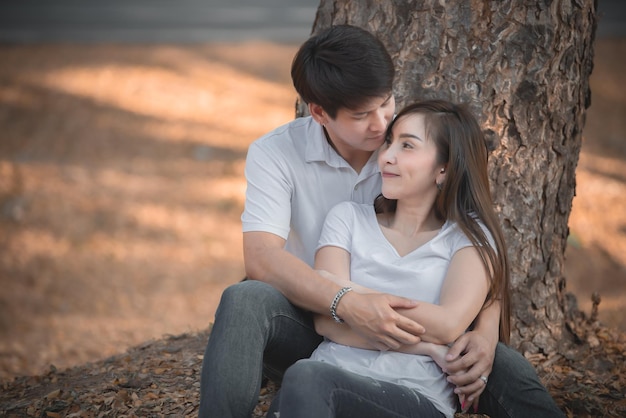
pixel 409 227
pixel 414 219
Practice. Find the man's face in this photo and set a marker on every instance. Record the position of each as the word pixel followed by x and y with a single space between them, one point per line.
pixel 361 129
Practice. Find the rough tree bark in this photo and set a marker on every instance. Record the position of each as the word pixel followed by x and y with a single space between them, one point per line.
pixel 523 66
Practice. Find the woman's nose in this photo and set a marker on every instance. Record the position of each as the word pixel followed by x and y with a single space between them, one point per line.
pixel 388 155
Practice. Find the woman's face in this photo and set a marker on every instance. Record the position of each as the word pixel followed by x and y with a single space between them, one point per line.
pixel 408 161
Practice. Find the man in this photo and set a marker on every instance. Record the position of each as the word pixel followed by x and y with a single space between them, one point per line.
pixel 295 174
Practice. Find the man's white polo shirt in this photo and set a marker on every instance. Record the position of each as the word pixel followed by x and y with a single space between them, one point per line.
pixel 294 177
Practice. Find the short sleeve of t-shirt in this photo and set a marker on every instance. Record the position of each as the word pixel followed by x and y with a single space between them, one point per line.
pixel 458 240
pixel 338 227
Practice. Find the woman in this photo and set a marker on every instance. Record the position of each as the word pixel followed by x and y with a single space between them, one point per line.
pixel 432 236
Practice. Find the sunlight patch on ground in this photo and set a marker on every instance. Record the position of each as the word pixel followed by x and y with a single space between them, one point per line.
pixel 600 189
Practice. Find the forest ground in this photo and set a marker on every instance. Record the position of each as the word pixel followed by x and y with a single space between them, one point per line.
pixel 121 188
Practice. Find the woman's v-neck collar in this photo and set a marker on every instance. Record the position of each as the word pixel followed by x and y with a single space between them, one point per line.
pixel 374 219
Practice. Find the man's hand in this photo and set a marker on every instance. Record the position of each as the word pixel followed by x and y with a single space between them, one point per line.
pixel 470 361
pixel 373 316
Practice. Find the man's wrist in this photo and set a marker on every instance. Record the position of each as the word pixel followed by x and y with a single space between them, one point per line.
pixel 488 323
pixel 488 334
pixel 333 305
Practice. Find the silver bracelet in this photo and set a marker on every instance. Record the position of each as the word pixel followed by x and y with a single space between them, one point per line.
pixel 333 305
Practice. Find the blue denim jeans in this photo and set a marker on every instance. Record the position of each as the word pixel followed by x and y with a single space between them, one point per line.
pixel 255 325
pixel 257 330
pixel 312 389
pixel 514 389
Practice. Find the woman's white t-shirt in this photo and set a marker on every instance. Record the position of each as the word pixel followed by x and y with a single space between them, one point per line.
pixel 419 275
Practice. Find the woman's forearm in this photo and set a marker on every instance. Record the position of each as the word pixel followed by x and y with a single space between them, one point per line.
pixel 461 299
pixel 441 322
pixel 340 333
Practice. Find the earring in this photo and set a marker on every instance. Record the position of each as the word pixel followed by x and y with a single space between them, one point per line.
pixel 443 170
pixel 439 186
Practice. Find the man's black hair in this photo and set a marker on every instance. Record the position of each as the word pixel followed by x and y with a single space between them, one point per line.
pixel 342 67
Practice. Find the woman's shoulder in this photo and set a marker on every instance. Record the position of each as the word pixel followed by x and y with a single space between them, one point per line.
pixel 452 230
pixel 454 225
pixel 350 210
pixel 353 207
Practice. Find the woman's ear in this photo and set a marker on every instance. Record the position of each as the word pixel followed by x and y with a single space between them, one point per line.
pixel 441 176
pixel 318 114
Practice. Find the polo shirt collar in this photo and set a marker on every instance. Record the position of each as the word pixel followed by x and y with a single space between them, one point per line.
pixel 318 149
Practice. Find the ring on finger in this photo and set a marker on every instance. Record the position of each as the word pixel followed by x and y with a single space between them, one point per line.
pixel 484 379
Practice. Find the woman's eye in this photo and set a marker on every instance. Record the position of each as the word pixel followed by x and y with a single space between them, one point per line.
pixel 407 145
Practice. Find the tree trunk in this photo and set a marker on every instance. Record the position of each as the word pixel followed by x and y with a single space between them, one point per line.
pixel 523 67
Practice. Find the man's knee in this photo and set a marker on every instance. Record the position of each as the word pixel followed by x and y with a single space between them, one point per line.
pixel 249 294
pixel 509 362
pixel 507 353
pixel 514 388
pixel 250 302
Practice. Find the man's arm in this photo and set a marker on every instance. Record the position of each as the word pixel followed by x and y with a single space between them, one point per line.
pixel 266 260
pixel 373 316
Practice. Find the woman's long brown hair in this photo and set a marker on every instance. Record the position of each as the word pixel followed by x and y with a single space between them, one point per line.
pixel 465 195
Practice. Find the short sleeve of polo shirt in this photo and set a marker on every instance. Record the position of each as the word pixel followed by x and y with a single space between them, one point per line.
pixel 268 193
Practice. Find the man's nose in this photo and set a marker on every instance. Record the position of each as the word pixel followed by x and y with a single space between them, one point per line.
pixel 379 121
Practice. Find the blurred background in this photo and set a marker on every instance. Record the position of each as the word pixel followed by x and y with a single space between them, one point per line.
pixel 123 132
